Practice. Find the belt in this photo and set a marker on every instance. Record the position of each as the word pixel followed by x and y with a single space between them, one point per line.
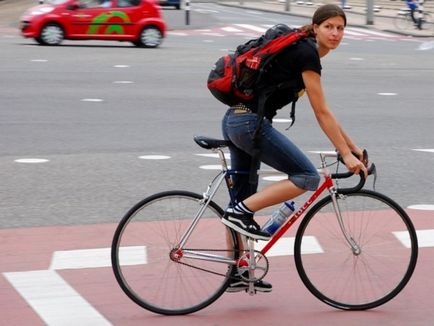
pixel 241 108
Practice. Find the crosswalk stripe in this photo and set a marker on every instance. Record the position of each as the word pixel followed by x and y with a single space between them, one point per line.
pixel 351 32
pixel 368 31
pixel 231 29
pixel 252 27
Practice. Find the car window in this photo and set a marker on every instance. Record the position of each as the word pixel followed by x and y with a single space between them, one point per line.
pixel 128 3
pixel 95 3
pixel 56 2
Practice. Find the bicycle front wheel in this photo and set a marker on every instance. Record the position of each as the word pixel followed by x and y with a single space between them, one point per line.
pixel 143 254
pixel 348 279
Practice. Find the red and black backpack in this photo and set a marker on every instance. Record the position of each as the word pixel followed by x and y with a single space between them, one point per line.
pixel 235 78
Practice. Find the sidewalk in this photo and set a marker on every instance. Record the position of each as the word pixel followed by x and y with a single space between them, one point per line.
pixel 10 11
pixel 356 16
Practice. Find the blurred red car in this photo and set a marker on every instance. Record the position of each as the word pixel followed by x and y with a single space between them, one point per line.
pixel 137 21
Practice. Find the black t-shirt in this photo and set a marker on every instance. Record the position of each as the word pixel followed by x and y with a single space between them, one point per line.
pixel 286 70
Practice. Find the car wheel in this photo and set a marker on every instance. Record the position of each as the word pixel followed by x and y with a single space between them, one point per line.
pixel 51 34
pixel 150 37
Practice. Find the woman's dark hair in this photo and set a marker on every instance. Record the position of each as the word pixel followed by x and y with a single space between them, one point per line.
pixel 322 14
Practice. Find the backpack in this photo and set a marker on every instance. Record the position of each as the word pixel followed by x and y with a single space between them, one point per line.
pixel 236 77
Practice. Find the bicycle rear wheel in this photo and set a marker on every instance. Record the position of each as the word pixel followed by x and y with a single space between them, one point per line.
pixel 403 22
pixel 427 21
pixel 142 247
pixel 343 279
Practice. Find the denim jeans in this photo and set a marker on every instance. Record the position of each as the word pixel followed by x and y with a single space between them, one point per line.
pixel 276 150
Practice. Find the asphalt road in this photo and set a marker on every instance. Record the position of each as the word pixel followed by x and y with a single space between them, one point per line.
pixel 93 108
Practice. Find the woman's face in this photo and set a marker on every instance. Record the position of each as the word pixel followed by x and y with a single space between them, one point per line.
pixel 330 32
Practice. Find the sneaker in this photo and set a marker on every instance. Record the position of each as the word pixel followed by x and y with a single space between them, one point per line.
pixel 246 225
pixel 237 285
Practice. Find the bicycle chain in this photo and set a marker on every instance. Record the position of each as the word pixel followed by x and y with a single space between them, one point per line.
pixel 210 271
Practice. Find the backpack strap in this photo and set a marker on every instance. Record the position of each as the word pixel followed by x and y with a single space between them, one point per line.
pixel 263 96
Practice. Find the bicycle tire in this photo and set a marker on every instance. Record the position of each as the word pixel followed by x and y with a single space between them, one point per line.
pixel 141 249
pixel 402 22
pixel 427 21
pixel 348 281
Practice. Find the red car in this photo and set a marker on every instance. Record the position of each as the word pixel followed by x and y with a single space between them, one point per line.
pixel 137 21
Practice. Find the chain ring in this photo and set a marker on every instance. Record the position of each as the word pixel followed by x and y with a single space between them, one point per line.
pixel 243 265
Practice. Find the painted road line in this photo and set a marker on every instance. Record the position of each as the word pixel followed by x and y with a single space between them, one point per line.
pixel 252 27
pixel 285 247
pixel 428 150
pixel 425 238
pixel 94 258
pixel 422 207
pixel 54 300
pixel 231 29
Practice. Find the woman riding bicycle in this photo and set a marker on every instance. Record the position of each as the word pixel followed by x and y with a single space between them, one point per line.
pixel 300 63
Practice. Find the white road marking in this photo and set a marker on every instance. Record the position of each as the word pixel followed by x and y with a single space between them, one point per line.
pixel 211 167
pixel 94 258
pixel 231 29
pixel 154 157
pixel 92 100
pixel 425 238
pixel 275 178
pixel 428 150
pixel 252 27
pixel 426 46
pixel 282 120
pixel 176 33
pixel 285 247
pixel 421 207
pixel 123 82
pixel 54 300
pixel 387 94
pixel 31 160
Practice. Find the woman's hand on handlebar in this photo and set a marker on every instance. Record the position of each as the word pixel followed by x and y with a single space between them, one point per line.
pixel 357 161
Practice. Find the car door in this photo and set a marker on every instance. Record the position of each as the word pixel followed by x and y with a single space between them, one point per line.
pixel 131 12
pixel 91 19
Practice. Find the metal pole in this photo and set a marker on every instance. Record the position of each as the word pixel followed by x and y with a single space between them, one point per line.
pixel 187 12
pixel 287 5
pixel 369 12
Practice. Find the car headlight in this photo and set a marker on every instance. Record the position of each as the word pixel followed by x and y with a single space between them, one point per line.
pixel 40 11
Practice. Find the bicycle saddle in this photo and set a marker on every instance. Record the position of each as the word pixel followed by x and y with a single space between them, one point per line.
pixel 210 143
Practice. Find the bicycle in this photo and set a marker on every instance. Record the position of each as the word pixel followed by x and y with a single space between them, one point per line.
pixel 172 255
pixel 403 20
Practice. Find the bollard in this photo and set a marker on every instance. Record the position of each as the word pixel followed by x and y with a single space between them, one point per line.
pixel 187 12
pixel 370 12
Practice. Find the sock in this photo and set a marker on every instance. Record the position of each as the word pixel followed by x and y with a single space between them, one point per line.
pixel 241 209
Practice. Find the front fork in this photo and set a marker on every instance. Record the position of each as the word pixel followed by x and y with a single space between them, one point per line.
pixel 355 247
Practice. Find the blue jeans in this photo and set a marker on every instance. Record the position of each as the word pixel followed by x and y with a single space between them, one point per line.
pixel 276 150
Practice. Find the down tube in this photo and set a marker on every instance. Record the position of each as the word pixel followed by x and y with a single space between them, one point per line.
pixel 325 185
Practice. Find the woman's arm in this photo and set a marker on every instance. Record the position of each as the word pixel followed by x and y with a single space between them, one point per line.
pixel 329 124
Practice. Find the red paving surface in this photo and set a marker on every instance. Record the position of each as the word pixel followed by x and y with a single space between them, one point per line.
pixel 32 248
